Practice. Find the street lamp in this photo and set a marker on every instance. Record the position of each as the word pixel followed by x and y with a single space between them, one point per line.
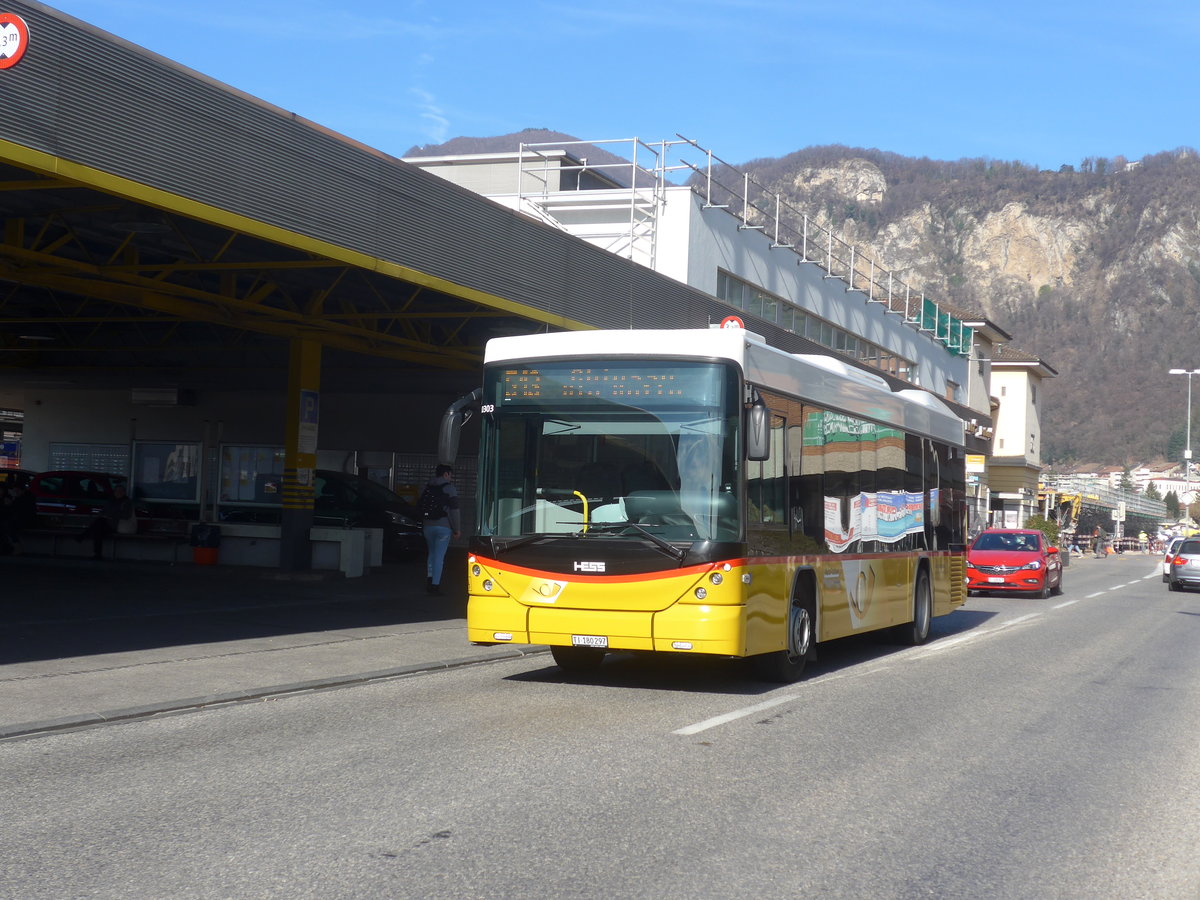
pixel 1187 453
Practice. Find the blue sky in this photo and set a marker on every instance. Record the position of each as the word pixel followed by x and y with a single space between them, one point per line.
pixel 1044 83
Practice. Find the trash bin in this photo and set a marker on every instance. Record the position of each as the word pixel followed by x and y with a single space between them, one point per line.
pixel 205 540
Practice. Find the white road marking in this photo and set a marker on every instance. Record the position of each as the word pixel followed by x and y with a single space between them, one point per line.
pixel 915 653
pixel 736 714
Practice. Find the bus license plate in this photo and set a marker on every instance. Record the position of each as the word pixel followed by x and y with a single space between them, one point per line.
pixel 589 640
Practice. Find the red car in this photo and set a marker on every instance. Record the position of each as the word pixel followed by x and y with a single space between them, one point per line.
pixel 61 494
pixel 1008 560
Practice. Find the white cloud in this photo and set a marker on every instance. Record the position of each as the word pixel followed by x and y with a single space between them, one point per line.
pixel 435 124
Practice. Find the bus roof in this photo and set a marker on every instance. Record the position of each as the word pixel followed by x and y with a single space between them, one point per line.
pixel 826 381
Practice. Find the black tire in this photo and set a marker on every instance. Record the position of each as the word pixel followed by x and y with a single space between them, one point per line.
pixel 916 632
pixel 578 660
pixel 787 666
pixel 1044 592
pixel 1172 585
pixel 1058 587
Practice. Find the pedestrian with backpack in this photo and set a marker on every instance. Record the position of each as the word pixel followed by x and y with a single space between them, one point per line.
pixel 439 515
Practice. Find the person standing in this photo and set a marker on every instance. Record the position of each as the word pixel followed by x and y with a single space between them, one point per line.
pixel 20 512
pixel 118 510
pixel 1101 536
pixel 440 516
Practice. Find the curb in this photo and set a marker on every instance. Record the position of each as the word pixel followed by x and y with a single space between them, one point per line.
pixel 64 723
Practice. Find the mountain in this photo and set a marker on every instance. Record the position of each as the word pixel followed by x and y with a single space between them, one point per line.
pixel 1094 269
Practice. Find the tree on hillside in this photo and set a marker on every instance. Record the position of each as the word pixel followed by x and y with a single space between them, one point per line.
pixel 1126 483
pixel 1176 443
pixel 1152 491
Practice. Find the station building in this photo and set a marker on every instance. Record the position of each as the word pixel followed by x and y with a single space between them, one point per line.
pixel 217 298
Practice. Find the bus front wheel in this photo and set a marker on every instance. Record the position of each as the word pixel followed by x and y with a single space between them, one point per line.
pixel 787 666
pixel 577 660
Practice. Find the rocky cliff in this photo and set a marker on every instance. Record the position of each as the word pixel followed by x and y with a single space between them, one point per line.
pixel 1096 270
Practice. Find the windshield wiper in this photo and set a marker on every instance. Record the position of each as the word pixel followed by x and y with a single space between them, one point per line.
pixel 676 553
pixel 499 546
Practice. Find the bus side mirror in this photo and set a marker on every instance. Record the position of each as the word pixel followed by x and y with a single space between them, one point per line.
pixel 453 420
pixel 758 431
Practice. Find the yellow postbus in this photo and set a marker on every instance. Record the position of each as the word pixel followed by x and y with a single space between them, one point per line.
pixel 698 491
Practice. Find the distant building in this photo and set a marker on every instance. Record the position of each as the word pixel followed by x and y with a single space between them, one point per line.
pixel 1016 461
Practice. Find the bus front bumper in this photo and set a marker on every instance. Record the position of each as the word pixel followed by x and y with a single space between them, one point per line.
pixel 682 627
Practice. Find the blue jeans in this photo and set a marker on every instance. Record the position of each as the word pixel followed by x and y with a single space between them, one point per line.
pixel 438 539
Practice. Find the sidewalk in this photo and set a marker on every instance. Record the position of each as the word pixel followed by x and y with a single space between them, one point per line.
pixel 85 642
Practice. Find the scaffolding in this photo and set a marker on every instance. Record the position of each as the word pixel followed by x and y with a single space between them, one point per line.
pixel 616 201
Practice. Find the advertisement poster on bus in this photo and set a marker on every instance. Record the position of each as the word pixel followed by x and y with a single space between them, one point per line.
pixel 885 516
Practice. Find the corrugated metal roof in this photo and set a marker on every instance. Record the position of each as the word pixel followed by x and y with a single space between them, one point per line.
pixel 138 115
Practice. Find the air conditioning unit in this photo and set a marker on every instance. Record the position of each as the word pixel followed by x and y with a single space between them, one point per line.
pixel 162 397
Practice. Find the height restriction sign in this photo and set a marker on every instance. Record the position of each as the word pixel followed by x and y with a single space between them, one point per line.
pixel 14 37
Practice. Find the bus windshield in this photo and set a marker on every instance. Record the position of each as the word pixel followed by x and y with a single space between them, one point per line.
pixel 625 448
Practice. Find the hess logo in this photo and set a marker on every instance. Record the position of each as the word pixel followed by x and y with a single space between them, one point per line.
pixel 588 566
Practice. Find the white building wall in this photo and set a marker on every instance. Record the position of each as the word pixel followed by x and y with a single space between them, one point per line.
pixel 694 243
pixel 1184 490
pixel 979 368
pixel 684 241
pixel 1018 422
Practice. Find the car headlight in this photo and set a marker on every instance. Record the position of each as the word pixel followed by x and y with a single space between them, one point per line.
pixel 1035 565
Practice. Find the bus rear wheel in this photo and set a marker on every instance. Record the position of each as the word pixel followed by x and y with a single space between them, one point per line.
pixel 787 666
pixel 916 632
pixel 577 660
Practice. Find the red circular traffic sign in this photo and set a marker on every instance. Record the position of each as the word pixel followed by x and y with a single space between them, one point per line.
pixel 14 38
pixel 732 322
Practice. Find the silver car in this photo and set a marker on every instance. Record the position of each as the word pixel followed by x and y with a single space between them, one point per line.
pixel 1185 566
pixel 1169 553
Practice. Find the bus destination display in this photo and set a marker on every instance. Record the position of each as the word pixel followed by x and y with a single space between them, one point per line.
pixel 590 383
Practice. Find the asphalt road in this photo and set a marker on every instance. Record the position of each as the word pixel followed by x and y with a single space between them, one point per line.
pixel 1033 749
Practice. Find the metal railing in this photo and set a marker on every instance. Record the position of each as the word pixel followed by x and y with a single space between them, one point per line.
pixel 647 169
pixel 1102 495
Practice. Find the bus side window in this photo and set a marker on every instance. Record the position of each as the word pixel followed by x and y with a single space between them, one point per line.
pixel 766 488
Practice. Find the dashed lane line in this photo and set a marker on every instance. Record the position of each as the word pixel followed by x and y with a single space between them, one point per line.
pixel 916 653
pixel 736 714
pixel 940 647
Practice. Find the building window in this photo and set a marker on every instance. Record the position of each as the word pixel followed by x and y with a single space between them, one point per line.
pixel 757 302
pixel 1033 394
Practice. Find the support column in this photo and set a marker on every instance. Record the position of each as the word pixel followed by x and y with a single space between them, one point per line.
pixel 300 454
